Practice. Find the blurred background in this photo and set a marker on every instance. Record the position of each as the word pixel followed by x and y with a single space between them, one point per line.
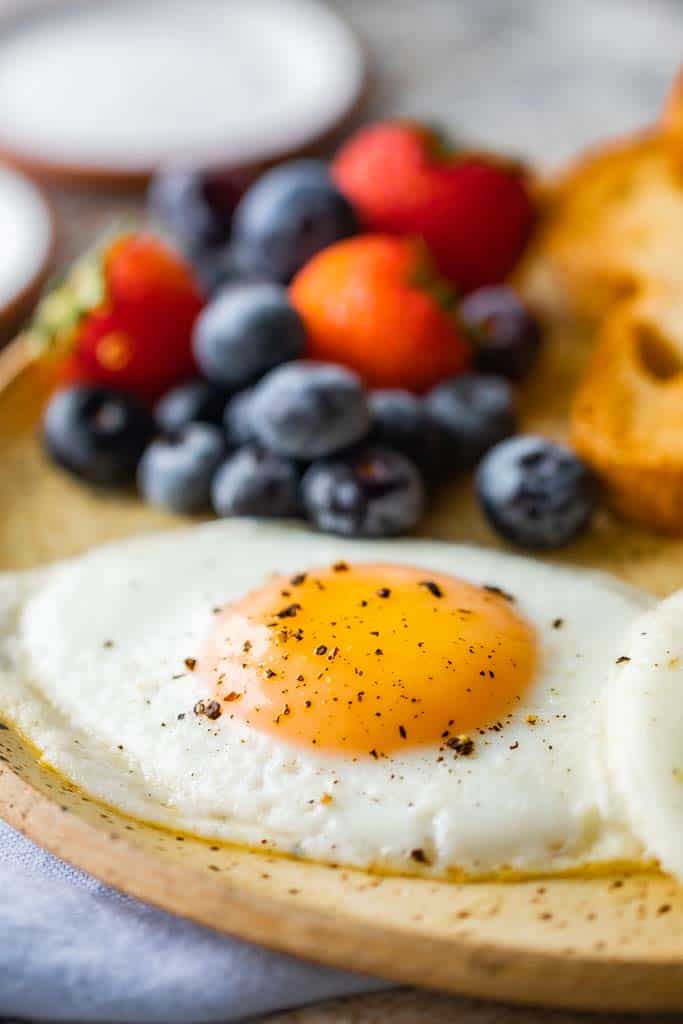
pixel 537 77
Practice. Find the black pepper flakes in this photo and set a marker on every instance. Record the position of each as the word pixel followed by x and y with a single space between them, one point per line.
pixel 622 659
pixel 210 709
pixel 462 745
pixel 297 580
pixel 340 567
pixel 499 592
pixel 384 592
pixel 419 856
pixel 289 611
pixel 433 588
pixel 320 650
pixel 191 664
pixel 558 623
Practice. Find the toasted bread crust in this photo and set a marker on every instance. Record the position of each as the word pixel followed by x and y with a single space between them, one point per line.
pixel 671 124
pixel 601 239
pixel 627 415
pixel 612 248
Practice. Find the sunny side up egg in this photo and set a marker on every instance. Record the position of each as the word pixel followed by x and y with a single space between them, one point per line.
pixel 406 705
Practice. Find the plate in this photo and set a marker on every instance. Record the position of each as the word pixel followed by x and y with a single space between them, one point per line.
pixel 28 231
pixel 612 943
pixel 104 91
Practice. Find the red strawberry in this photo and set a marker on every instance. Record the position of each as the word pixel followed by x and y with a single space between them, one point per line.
pixel 123 317
pixel 473 211
pixel 374 303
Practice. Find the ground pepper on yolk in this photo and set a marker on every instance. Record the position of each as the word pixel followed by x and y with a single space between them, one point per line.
pixel 370 659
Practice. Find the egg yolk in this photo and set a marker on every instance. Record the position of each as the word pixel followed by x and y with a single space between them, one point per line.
pixel 369 659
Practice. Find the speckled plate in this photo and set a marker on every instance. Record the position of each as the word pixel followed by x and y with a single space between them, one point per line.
pixel 612 943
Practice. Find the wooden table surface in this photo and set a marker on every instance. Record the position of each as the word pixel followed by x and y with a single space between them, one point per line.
pixel 537 77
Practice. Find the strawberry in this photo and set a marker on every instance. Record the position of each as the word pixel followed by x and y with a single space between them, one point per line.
pixel 122 317
pixel 375 304
pixel 473 211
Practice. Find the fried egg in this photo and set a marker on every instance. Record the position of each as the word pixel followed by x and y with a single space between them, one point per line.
pixel 403 705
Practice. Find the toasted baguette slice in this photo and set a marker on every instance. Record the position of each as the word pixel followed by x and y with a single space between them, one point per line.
pixel 611 247
pixel 671 124
pixel 627 415
pixel 614 223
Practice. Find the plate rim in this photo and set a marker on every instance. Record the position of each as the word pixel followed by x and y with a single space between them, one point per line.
pixel 23 300
pixel 390 953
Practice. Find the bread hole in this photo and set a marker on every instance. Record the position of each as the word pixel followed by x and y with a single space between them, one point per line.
pixel 624 288
pixel 657 354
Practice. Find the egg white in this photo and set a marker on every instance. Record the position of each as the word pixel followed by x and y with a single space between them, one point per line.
pixel 644 730
pixel 92 670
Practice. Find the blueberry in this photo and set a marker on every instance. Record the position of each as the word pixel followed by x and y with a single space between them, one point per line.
pixel 218 268
pixel 254 482
pixel 196 206
pixel 506 334
pixel 237 419
pixel 245 331
pixel 290 214
pixel 474 412
pixel 371 492
pixel 97 433
pixel 401 421
pixel 176 472
pixel 536 494
pixel 189 402
pixel 306 410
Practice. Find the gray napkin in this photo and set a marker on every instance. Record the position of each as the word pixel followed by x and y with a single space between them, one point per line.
pixel 73 949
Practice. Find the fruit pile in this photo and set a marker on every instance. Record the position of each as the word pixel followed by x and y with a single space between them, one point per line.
pixel 333 342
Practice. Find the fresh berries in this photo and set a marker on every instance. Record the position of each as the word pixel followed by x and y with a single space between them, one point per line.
pixel 401 421
pixel 536 494
pixel 96 433
pixel 305 410
pixel 124 317
pixel 196 206
pixel 473 211
pixel 340 397
pixel 474 412
pixel 255 482
pixel 246 331
pixel 237 419
pixel 373 303
pixel 189 402
pixel 505 334
pixel 175 472
pixel 372 492
pixel 288 215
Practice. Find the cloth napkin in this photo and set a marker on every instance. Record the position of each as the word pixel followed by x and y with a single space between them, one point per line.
pixel 72 949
